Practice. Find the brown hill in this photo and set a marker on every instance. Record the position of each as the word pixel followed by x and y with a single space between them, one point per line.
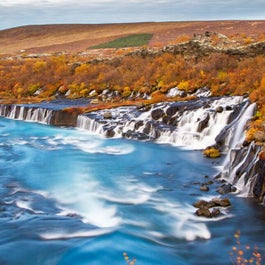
pixel 76 38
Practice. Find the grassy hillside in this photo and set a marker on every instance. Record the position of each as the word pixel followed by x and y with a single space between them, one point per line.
pixel 76 38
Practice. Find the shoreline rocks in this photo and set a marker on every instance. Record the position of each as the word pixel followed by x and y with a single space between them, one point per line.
pixel 211 209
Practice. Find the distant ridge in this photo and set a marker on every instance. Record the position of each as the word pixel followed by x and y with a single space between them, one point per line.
pixel 79 37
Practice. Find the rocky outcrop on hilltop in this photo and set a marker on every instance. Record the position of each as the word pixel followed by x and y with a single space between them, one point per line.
pixel 206 44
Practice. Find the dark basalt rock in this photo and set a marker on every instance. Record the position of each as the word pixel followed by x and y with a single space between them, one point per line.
pixel 135 135
pixel 147 128
pixel 171 111
pixel 138 124
pixel 259 186
pixel 226 188
pixel 157 114
pixel 170 120
pixel 203 123
pixel 110 133
pixel 64 118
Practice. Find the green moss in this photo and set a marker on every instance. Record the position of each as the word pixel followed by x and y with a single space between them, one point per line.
pixel 128 41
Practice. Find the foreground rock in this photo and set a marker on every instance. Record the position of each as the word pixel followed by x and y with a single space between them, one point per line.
pixel 210 209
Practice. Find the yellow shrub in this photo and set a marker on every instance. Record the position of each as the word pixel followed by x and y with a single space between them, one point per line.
pixel 211 152
pixel 184 85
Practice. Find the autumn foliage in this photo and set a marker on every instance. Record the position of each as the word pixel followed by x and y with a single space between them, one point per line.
pixel 131 76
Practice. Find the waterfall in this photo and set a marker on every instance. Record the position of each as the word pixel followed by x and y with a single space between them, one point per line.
pixel 32 114
pixel 238 136
pixel 191 124
pixel 90 125
pixel 239 166
pixel 188 133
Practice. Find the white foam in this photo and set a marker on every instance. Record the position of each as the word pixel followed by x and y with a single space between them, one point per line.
pixel 118 150
pixel 84 200
pixel 182 223
pixel 67 235
pixel 136 200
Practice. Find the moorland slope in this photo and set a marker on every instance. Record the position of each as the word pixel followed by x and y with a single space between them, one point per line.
pixel 76 38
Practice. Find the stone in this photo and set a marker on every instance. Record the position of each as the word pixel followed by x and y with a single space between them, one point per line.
pixel 107 115
pixel 204 212
pixel 216 212
pixel 204 188
pixel 204 207
pixel 138 124
pixel 219 109
pixel 204 204
pixel 221 202
pixel 110 133
pixel 171 111
pixel 157 114
pixel 226 188
pixel 203 123
pixel 200 204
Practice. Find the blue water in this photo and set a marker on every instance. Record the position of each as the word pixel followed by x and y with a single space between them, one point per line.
pixel 68 197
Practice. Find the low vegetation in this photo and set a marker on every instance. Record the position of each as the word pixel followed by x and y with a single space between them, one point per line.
pixel 128 41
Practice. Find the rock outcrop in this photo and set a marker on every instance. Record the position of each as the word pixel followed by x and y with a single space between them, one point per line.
pixel 206 44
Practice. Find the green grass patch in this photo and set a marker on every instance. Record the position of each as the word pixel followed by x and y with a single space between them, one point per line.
pixel 128 41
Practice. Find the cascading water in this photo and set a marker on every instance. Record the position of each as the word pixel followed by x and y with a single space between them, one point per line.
pixel 89 125
pixel 235 137
pixel 194 124
pixel 32 114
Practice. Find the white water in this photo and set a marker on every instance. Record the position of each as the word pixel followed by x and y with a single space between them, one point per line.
pixel 237 134
pixel 185 134
pixel 18 112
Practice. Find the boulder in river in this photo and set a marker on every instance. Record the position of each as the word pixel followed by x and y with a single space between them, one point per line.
pixel 157 114
pixel 205 206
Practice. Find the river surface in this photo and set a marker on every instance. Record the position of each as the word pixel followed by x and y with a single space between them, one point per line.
pixel 68 197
